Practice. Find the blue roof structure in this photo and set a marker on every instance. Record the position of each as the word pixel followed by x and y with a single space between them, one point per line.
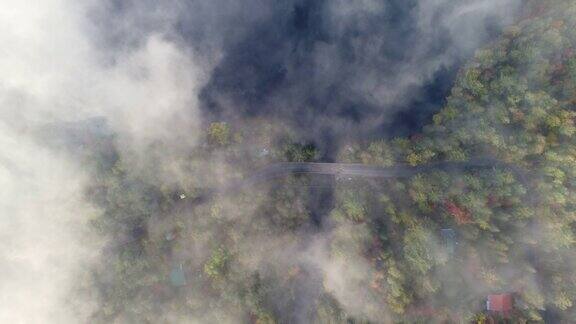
pixel 449 240
pixel 177 276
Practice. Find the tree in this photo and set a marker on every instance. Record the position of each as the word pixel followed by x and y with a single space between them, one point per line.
pixel 217 266
pixel 219 134
pixel 417 250
pixel 296 152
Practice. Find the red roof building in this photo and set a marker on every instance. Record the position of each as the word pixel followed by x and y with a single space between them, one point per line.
pixel 501 303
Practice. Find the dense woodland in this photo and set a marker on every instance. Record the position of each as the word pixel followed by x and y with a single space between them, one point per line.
pixel 377 255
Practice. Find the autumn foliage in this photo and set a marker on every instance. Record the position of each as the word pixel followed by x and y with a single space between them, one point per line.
pixel 461 215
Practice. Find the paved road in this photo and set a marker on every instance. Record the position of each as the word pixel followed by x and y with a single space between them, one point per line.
pixel 279 170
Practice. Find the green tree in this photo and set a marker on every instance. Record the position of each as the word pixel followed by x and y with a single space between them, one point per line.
pixel 219 134
pixel 217 266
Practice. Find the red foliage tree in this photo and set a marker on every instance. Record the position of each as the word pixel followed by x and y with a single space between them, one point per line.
pixel 461 215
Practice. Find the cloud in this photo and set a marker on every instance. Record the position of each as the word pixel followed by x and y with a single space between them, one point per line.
pixel 45 243
pixel 56 72
pixel 53 64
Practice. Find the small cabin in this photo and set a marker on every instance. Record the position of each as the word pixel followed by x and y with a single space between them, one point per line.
pixel 448 240
pixel 178 276
pixel 500 303
pixel 263 153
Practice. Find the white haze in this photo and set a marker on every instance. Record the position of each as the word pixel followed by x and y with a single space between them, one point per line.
pixel 52 72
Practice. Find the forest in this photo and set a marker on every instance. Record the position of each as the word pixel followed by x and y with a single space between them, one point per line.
pixel 318 249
